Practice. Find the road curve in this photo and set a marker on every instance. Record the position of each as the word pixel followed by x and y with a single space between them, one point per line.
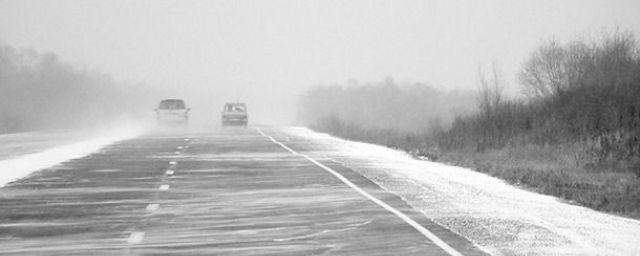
pixel 229 192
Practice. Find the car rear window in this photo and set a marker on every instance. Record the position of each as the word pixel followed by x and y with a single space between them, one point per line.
pixel 235 108
pixel 171 104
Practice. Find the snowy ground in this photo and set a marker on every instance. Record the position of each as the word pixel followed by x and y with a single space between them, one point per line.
pixel 23 153
pixel 500 218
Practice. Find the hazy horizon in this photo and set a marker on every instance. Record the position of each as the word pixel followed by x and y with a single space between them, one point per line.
pixel 211 52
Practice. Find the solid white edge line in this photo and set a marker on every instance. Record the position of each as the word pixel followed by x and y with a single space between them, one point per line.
pixel 424 231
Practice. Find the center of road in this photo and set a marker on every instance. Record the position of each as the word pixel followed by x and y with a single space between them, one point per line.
pixel 136 237
pixel 425 232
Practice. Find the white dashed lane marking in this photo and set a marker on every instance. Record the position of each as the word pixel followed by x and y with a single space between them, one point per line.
pixel 135 237
pixel 152 207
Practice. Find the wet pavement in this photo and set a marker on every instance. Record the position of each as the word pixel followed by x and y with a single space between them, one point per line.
pixel 228 192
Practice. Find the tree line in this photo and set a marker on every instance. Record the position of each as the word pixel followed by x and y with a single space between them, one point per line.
pixel 38 91
pixel 585 93
pixel 580 92
pixel 362 111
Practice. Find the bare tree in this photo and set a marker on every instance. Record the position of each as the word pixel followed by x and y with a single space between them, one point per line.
pixel 490 89
pixel 545 72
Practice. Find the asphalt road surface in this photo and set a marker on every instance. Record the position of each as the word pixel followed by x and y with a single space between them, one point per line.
pixel 228 192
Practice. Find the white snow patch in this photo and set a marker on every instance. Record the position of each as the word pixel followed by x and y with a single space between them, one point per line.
pixel 500 218
pixel 135 237
pixel 21 166
pixel 20 134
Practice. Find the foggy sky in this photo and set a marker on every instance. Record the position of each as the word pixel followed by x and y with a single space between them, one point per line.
pixel 266 52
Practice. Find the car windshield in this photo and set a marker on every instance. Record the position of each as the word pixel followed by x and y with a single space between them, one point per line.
pixel 235 108
pixel 171 104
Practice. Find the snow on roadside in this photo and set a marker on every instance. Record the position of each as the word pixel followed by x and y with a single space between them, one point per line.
pixel 20 134
pixel 18 144
pixel 498 217
pixel 22 165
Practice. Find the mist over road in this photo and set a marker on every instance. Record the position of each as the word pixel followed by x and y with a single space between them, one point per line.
pixel 452 128
pixel 231 192
pixel 287 191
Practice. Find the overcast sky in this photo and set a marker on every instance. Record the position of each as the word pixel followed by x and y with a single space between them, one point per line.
pixel 268 51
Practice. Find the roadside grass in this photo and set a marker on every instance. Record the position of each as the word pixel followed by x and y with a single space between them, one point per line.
pixel 548 171
pixel 554 170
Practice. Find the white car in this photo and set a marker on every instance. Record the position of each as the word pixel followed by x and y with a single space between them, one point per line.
pixel 172 112
pixel 235 114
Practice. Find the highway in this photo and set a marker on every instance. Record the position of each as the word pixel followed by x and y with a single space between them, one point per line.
pixel 249 191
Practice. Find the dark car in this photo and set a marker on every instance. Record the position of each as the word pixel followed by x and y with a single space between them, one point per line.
pixel 235 114
pixel 172 112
